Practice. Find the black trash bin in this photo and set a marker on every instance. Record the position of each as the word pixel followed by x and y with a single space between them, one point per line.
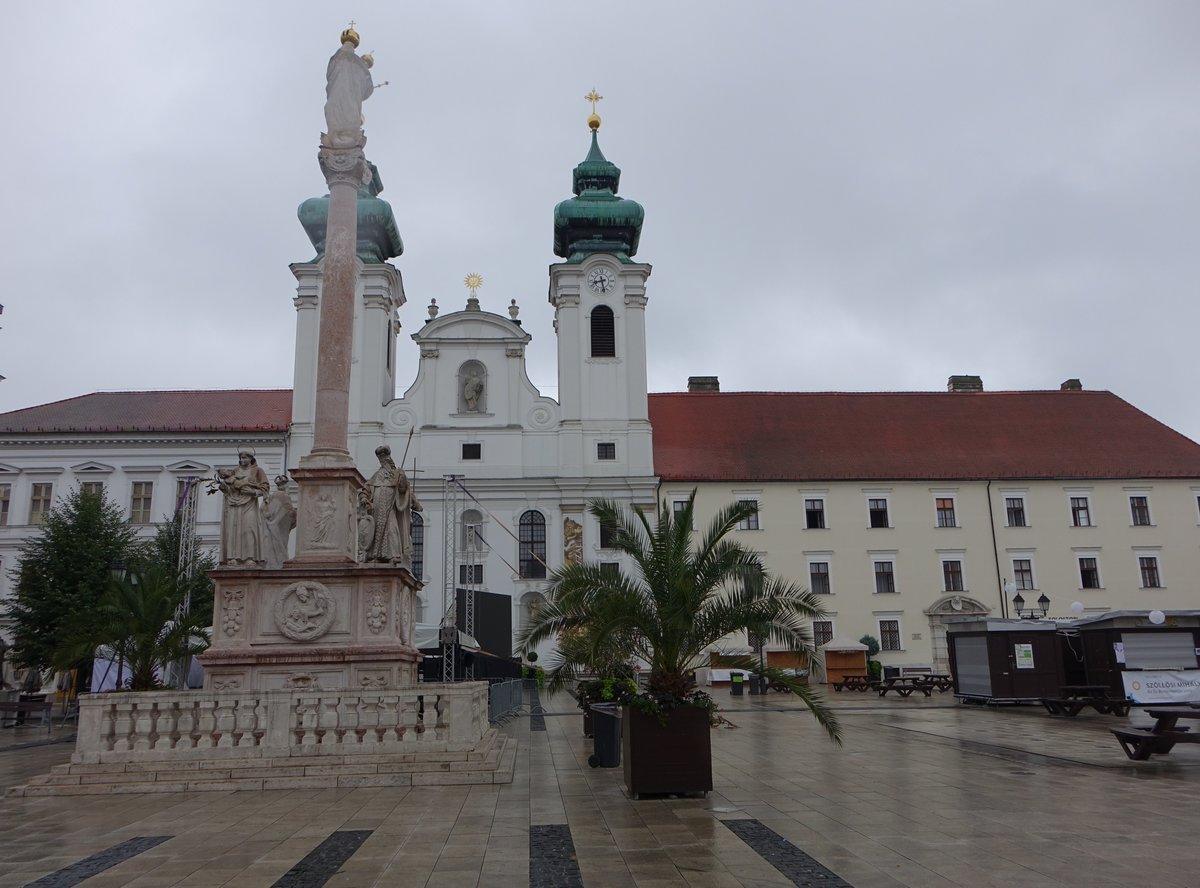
pixel 735 684
pixel 606 736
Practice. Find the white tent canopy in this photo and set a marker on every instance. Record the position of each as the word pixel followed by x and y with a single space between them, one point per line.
pixel 843 644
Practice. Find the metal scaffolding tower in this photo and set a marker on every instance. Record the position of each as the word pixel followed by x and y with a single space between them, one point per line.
pixel 185 564
pixel 449 628
pixel 469 587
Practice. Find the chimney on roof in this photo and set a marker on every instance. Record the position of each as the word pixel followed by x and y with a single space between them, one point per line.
pixel 1071 385
pixel 704 384
pixel 964 384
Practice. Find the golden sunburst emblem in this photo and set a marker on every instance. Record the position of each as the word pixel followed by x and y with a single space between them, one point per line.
pixel 473 282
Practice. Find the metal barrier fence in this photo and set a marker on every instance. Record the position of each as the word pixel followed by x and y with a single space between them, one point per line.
pixel 504 697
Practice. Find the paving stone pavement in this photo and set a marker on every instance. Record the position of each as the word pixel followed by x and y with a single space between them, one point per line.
pixel 923 793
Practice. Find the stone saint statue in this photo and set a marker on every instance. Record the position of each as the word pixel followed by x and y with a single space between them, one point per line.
pixel 392 503
pixel 473 391
pixel 279 518
pixel 241 521
pixel 347 85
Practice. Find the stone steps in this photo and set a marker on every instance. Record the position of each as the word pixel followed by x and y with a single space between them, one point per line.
pixel 492 762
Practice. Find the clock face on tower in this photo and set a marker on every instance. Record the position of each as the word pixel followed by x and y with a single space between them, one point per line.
pixel 601 280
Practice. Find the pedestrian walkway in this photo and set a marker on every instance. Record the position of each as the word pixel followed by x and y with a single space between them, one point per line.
pixel 923 793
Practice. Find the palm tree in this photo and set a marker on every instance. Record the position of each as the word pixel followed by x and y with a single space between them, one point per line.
pixel 138 618
pixel 680 600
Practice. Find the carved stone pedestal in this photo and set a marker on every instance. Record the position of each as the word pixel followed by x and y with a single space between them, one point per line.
pixel 327 628
pixel 327 520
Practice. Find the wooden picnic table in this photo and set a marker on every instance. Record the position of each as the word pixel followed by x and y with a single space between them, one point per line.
pixel 1073 699
pixel 18 709
pixel 855 683
pixel 905 685
pixel 940 680
pixel 1141 743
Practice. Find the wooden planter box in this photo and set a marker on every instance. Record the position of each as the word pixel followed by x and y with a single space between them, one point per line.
pixel 671 758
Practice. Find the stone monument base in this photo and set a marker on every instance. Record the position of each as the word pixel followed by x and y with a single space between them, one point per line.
pixel 181 741
pixel 312 628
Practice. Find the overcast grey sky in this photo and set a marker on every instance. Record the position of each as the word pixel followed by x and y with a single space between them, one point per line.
pixel 839 196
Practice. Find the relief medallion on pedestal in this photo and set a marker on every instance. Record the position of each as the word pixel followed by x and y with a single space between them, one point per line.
pixel 305 610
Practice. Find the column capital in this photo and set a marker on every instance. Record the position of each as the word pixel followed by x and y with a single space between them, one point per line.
pixel 344 166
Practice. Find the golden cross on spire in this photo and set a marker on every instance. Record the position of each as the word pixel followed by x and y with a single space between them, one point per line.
pixel 473 282
pixel 351 24
pixel 593 97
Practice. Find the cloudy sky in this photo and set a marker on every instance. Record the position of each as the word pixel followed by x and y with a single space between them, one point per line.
pixel 839 196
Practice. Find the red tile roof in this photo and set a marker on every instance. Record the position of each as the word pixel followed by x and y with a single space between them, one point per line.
pixel 818 436
pixel 190 411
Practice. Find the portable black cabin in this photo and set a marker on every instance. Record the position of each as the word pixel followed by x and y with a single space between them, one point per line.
pixel 1136 658
pixel 1005 661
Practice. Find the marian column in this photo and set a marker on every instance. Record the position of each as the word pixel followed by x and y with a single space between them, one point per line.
pixel 328 479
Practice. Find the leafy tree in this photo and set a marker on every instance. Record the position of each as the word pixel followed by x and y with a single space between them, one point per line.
pixel 162 553
pixel 137 617
pixel 874 667
pixel 680 600
pixel 63 573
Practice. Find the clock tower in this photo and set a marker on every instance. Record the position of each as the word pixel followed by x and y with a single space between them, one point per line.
pixel 599 298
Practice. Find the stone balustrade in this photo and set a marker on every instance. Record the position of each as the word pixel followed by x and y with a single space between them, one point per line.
pixel 185 725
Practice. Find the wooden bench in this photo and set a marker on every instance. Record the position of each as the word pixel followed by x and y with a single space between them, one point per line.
pixel 17 710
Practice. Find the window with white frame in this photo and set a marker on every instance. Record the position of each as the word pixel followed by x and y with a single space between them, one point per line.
pixel 418 547
pixel 1148 569
pixel 814 513
pixel 1089 572
pixel 877 511
pixel 608 535
pixel 885 577
pixel 1139 511
pixel 531 546
pixel 5 497
pixel 140 498
pixel 952 575
pixel 750 522
pixel 1022 570
pixel 40 496
pixel 818 577
pixel 1081 511
pixel 889 635
pixel 822 632
pixel 92 488
pixel 470 574
pixel 471 529
pixel 1014 511
pixel 945 511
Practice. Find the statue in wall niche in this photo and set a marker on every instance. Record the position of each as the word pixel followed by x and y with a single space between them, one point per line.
pixel 393 501
pixel 241 520
pixel 347 85
pixel 280 518
pixel 366 522
pixel 473 391
pixel 572 541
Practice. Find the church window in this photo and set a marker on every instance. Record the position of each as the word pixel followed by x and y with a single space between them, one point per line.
pixel 92 488
pixel 532 545
pixel 139 502
pixel 418 545
pixel 604 333
pixel 470 574
pixel 606 450
pixel 5 496
pixel 608 535
pixel 472 451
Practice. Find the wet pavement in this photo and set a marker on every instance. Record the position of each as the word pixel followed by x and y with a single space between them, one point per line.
pixel 924 792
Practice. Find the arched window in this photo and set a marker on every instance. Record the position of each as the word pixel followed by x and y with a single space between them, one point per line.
pixel 533 545
pixel 604 333
pixel 418 545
